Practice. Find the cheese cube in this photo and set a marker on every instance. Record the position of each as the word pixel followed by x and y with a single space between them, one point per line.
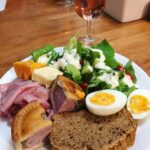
pixel 45 75
pixel 24 69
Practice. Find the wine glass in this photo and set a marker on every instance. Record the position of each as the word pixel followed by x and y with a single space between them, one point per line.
pixel 88 10
pixel 69 2
pixel 66 3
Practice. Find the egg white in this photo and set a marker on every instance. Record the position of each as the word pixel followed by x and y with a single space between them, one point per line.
pixel 120 102
pixel 144 93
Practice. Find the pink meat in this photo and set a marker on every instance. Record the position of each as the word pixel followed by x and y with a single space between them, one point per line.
pixel 40 138
pixel 19 93
pixel 60 101
pixel 34 93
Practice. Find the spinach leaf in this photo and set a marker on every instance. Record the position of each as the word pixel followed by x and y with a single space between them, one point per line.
pixel 86 71
pixel 97 84
pixel 85 53
pixel 73 73
pixel 129 69
pixel 121 74
pixel 99 72
pixel 94 56
pixel 122 86
pixel 94 83
pixel 125 88
pixel 53 55
pixel 108 52
pixel 130 90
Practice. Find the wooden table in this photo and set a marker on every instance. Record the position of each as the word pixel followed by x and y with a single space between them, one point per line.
pixel 29 24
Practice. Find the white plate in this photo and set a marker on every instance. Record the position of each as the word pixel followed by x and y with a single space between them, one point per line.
pixel 143 131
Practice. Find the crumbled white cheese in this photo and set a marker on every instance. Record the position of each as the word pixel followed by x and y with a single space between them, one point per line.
pixel 100 62
pixel 73 52
pixel 60 63
pixel 101 65
pixel 127 80
pixel 43 59
pixel 74 60
pixel 90 68
pixel 110 79
pixel 69 58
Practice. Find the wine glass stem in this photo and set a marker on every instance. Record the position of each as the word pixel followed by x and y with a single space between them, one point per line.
pixel 69 1
pixel 88 29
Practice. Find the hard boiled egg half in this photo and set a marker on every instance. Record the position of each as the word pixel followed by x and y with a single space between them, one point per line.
pixel 105 102
pixel 139 103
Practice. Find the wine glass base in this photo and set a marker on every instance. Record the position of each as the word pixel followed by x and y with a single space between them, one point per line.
pixel 66 3
pixel 89 41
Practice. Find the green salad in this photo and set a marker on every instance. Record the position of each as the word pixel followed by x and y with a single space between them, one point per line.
pixel 94 68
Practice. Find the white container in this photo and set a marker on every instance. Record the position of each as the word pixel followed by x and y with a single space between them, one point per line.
pixel 2 5
pixel 127 10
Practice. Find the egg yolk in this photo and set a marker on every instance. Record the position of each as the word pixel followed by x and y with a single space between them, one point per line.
pixel 139 104
pixel 103 99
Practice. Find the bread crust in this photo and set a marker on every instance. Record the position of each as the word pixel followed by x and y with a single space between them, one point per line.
pixel 122 143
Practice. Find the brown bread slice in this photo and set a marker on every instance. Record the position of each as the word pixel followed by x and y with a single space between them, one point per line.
pixel 85 131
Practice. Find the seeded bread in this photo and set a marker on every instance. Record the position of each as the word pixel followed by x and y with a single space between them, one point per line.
pixel 85 131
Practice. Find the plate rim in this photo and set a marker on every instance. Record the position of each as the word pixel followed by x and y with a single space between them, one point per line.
pixel 117 56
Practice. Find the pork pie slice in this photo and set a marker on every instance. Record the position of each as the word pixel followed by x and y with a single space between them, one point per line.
pixel 30 127
pixel 66 95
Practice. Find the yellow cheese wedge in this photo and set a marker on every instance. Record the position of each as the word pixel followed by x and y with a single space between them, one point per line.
pixel 25 69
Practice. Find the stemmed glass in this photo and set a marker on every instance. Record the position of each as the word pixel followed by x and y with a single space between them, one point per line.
pixel 69 2
pixel 89 10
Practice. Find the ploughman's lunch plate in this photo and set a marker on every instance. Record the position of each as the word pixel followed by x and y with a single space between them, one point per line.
pixel 142 141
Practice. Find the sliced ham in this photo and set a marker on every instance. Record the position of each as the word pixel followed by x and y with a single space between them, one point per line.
pixel 18 93
pixel 40 138
pixel 65 95
pixel 38 93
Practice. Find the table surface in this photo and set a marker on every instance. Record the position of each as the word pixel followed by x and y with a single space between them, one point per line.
pixel 29 24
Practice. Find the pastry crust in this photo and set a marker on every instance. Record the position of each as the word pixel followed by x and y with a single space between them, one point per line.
pixel 71 89
pixel 27 122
